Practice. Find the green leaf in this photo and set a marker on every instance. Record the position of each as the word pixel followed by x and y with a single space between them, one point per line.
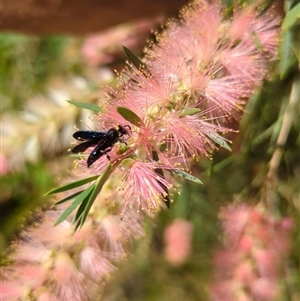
pixel 80 198
pixel 70 197
pixel 190 111
pixel 257 41
pixel 161 173
pixel 87 106
pixel 98 187
pixel 186 175
pixel 286 57
pixel 72 185
pixel 81 209
pixel 219 140
pixel 291 17
pixel 163 147
pixel 220 165
pixel 134 59
pixel 129 116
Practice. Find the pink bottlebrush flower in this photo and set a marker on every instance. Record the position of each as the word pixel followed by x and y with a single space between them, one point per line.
pixel 245 243
pixel 21 280
pixel 189 137
pixel 178 242
pixel 253 31
pixel 185 136
pixel 112 233
pixel 122 229
pixel 256 30
pixel 93 264
pixel 55 268
pixel 234 220
pixel 264 288
pixel 39 240
pixel 195 80
pixel 106 47
pixel 3 165
pixel 46 296
pixel 249 67
pixel 244 272
pixel 68 282
pixel 149 91
pixel 195 38
pixel 142 188
pixel 264 260
pixel 11 290
pixel 197 53
pixel 250 263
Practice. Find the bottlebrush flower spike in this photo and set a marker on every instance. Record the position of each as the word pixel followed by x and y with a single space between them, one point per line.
pixel 178 101
pixel 142 187
pixel 50 262
pixel 177 239
pixel 254 250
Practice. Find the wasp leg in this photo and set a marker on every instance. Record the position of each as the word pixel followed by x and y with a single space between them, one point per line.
pixel 106 153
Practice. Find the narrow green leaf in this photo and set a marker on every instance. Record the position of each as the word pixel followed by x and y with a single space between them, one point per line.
pixel 98 187
pixel 263 136
pixel 291 17
pixel 257 41
pixel 70 197
pixel 190 111
pixel 134 59
pixel 87 106
pixel 81 209
pixel 219 140
pixel 72 185
pixel 155 155
pixel 129 116
pixel 286 57
pixel 161 173
pixel 186 175
pixel 163 147
pixel 80 198
pixel 220 165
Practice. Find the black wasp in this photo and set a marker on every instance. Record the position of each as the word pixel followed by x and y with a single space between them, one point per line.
pixel 104 141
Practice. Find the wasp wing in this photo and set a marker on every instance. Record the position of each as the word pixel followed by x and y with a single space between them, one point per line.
pixel 83 146
pixel 103 147
pixel 89 135
pixel 97 152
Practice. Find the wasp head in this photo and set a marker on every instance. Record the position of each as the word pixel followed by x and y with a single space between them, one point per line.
pixel 124 130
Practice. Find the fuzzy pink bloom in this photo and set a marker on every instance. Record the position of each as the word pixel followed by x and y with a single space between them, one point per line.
pixel 46 296
pixel 253 28
pixel 106 47
pixel 67 280
pixel 93 264
pixel 195 80
pixel 213 60
pixel 142 187
pixel 255 247
pixel 178 242
pixel 52 264
pixel 114 232
pixel 3 165
pixel 10 290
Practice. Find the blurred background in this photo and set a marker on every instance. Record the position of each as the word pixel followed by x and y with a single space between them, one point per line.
pixel 53 51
